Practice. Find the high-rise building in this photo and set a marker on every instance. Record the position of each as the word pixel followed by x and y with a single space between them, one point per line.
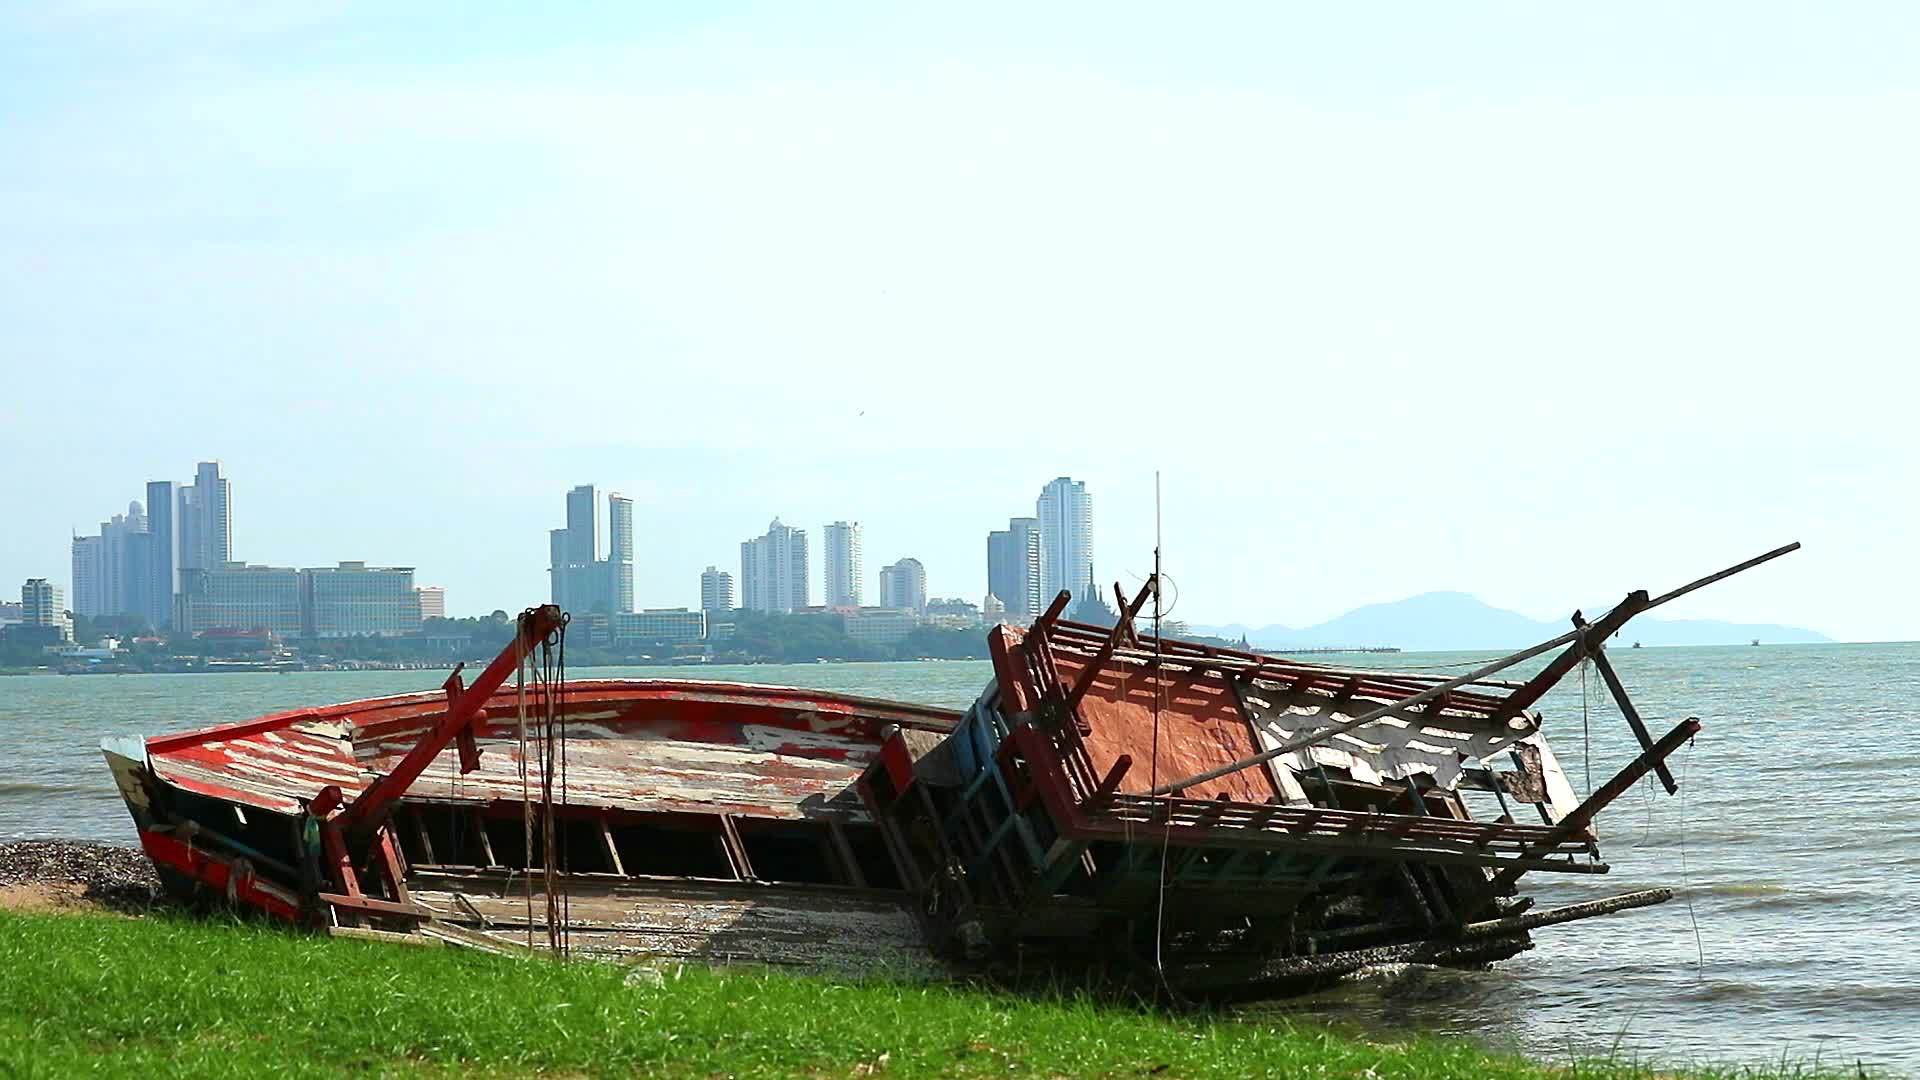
pixel 42 604
pixel 574 551
pixel 582 582
pixel 619 553
pixel 1065 511
pixel 583 525
pixel 903 586
pixel 118 573
pixel 163 550
pixel 716 591
pixel 132 566
pixel 1013 568
pixel 357 600
pixel 433 602
pixel 840 553
pixel 206 519
pixel 89 577
pixel 773 570
pixel 236 596
pixel 111 570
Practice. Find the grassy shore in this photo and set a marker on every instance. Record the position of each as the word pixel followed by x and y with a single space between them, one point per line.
pixel 171 996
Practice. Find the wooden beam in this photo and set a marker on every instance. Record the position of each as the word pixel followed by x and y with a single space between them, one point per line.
pixel 1120 630
pixel 388 937
pixel 1517 923
pixel 613 849
pixel 736 849
pixel 367 905
pixel 848 862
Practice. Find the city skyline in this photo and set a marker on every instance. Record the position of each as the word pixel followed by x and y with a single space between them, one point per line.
pixel 661 586
pixel 114 572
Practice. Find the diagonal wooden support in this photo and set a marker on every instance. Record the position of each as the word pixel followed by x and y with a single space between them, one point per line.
pixel 1121 630
pixel 1619 692
pixel 1120 600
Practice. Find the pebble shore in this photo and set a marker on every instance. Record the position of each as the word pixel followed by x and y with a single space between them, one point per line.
pixel 118 877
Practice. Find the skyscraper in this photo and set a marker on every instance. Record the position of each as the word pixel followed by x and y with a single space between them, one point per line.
pixel 206 519
pixel 1065 511
pixel 583 526
pixel 89 578
pixel 163 550
pixel 904 586
pixel 581 580
pixel 110 570
pixel 840 552
pixel 131 567
pixel 716 590
pixel 563 583
pixel 773 569
pixel 1013 568
pixel 619 570
pixel 119 574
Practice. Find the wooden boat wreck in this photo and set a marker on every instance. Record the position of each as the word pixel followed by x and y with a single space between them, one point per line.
pixel 1114 805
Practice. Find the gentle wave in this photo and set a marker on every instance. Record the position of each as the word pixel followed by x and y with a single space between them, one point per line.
pixel 1743 888
pixel 19 787
pixel 1800 997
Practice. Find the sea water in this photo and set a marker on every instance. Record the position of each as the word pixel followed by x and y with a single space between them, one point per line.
pixel 1793 931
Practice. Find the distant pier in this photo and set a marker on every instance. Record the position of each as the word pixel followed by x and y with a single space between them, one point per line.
pixel 1324 652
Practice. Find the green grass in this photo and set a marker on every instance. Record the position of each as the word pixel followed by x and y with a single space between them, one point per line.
pixel 171 996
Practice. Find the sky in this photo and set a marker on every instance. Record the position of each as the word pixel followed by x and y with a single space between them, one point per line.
pixel 1543 303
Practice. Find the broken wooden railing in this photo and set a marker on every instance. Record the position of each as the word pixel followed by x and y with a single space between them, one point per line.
pixel 1583 641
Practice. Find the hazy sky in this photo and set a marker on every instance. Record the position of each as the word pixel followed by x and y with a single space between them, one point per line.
pixel 1540 302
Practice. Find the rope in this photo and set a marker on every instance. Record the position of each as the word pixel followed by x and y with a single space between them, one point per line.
pixel 559 706
pixel 1586 730
pixel 1700 949
pixel 552 767
pixel 526 799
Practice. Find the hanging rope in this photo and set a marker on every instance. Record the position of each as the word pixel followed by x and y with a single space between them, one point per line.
pixel 1686 886
pixel 1586 729
pixel 566 858
pixel 552 750
pixel 526 799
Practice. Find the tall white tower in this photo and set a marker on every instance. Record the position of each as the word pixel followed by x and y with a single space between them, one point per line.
pixel 841 556
pixel 1065 511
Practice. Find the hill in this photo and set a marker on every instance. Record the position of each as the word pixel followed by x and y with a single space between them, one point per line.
pixel 1437 621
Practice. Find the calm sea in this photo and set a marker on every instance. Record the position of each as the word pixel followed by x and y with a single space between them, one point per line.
pixel 1794 932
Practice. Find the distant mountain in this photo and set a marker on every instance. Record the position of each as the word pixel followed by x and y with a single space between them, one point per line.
pixel 1438 621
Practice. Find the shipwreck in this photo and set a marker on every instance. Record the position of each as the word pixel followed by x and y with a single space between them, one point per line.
pixel 1114 805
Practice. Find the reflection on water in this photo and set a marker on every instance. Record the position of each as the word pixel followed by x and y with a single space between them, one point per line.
pixel 1792 932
